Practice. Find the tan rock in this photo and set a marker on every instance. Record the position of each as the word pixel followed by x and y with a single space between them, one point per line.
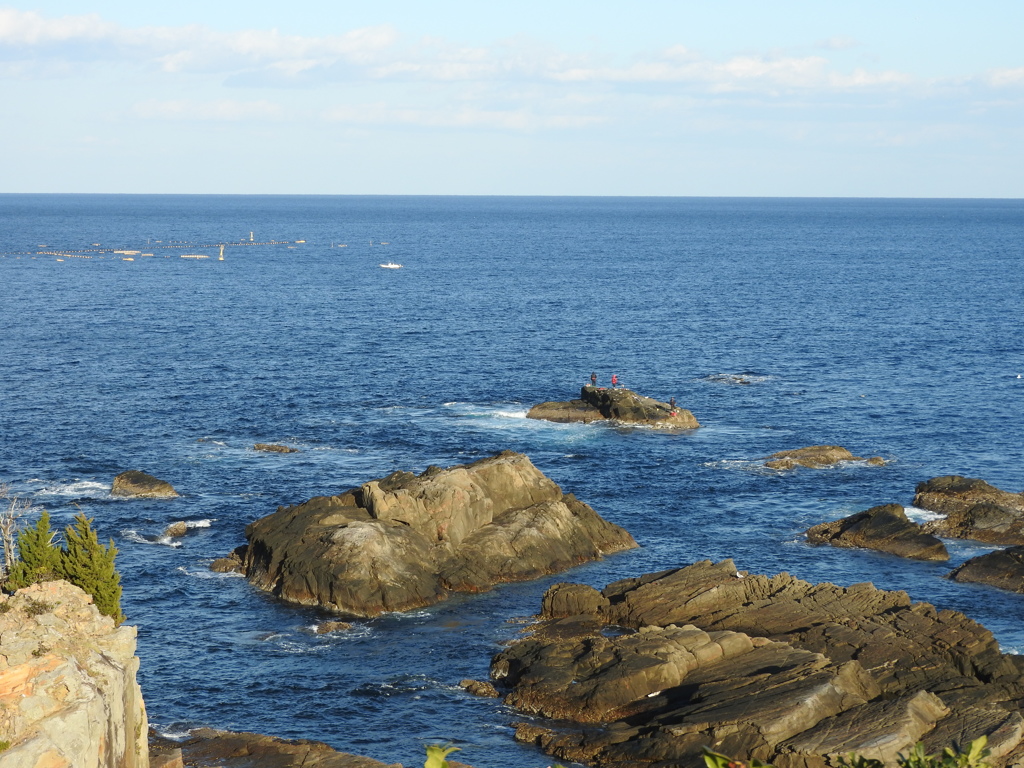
pixel 138 484
pixel 68 693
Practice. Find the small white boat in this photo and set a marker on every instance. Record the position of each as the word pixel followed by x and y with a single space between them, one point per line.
pixel 391 265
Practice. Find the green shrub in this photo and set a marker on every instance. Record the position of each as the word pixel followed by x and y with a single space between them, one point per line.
pixel 38 556
pixel 83 561
pixel 88 564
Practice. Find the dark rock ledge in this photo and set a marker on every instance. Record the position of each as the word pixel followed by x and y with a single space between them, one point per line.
pixel 884 529
pixel 405 541
pixel 973 509
pixel 618 404
pixel 649 670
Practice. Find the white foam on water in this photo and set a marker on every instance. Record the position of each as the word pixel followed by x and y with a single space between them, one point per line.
pixel 919 515
pixel 75 490
pixel 205 523
pixel 132 535
pixel 208 574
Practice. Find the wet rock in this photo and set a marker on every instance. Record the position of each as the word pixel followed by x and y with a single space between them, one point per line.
pixel 479 688
pixel 1003 569
pixel 140 485
pixel 207 748
pixel 274 448
pixel 327 627
pixel 618 404
pixel 973 509
pixel 406 541
pixel 885 529
pixel 176 530
pixel 68 692
pixel 816 457
pixel 753 666
pixel 230 564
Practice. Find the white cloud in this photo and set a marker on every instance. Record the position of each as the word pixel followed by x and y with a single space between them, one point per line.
pixel 1002 78
pixel 517 120
pixel 222 110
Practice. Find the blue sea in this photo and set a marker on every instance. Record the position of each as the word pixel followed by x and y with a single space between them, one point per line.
pixel 890 327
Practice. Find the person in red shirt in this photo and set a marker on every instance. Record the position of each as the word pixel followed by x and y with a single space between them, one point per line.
pixel 615 380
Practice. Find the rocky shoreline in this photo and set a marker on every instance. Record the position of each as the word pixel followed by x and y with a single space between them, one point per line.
pixel 617 404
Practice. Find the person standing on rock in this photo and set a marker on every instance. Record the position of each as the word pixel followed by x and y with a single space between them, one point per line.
pixel 593 379
pixel 615 380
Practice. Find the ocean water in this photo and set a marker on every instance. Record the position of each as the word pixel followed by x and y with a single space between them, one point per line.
pixel 891 327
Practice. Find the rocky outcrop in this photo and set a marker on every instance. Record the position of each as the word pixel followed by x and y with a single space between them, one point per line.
pixel 816 457
pixel 1003 569
pixel 208 748
pixel 406 541
pixel 973 509
pixel 617 404
pixel 652 669
pixel 274 448
pixel 68 693
pixel 885 529
pixel 140 485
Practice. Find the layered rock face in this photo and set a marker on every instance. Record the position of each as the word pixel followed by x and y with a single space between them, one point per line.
pixel 405 541
pixel 68 693
pixel 138 484
pixel 755 666
pixel 622 405
pixel 884 529
pixel 815 457
pixel 974 510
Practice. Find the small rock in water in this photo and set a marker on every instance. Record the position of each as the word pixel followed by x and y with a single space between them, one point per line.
pixel 140 485
pixel 274 448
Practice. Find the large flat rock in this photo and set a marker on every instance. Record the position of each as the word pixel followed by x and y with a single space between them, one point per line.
pixel 406 541
pixel 653 669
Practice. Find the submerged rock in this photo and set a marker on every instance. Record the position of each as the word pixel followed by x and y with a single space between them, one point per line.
pixel 885 529
pixel 68 692
pixel 618 404
pixel 140 485
pixel 406 541
pixel 973 509
pixel 815 457
pixel 1003 569
pixel 653 669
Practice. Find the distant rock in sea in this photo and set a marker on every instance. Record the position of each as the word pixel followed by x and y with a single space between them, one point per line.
pixel 884 528
pixel 615 404
pixel 816 457
pixel 406 541
pixel 650 670
pixel 973 509
pixel 138 484
pixel 274 448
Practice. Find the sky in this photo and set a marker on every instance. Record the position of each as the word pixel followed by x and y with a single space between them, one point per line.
pixel 451 97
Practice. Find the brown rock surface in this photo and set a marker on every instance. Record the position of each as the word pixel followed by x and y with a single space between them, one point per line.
pixel 618 404
pixel 816 457
pixel 973 509
pixel 405 541
pixel 885 529
pixel 140 485
pixel 1003 569
pixel 68 693
pixel 208 748
pixel 775 668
